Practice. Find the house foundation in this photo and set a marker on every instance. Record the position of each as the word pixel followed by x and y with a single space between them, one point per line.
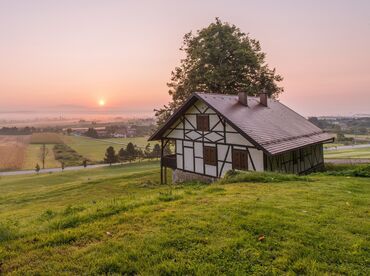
pixel 179 176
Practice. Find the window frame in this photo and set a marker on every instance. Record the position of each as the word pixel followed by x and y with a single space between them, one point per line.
pixel 202 122
pixel 210 161
pixel 236 166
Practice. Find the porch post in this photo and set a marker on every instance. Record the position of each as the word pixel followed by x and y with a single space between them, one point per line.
pixel 161 161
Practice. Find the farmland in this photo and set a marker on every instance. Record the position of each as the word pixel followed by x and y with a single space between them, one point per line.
pixel 355 153
pixel 13 151
pixel 120 220
pixel 22 152
pixel 46 138
pixel 94 149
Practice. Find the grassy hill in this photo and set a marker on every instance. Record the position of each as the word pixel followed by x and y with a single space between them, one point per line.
pixel 120 220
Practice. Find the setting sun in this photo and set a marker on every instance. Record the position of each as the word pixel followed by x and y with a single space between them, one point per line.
pixel 101 103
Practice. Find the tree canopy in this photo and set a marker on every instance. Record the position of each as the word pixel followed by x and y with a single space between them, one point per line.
pixel 110 155
pixel 220 59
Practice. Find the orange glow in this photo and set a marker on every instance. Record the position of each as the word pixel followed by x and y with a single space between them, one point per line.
pixel 101 103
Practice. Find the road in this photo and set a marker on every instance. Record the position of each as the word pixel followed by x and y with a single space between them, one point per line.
pixel 52 170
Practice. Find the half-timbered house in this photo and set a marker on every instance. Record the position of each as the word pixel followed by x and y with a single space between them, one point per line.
pixel 214 133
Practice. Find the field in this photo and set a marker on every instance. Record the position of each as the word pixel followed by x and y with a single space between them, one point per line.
pixel 46 138
pixel 22 152
pixel 94 149
pixel 32 157
pixel 120 220
pixel 356 153
pixel 12 151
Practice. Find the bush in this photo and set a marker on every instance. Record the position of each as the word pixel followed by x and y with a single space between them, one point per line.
pixel 67 155
pixel 348 170
pixel 264 177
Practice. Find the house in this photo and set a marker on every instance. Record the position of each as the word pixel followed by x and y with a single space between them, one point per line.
pixel 214 133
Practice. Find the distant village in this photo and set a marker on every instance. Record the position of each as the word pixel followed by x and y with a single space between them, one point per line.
pixel 124 129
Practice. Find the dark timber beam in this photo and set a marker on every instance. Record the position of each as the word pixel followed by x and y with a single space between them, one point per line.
pixel 161 161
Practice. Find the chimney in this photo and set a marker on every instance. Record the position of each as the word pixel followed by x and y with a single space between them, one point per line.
pixel 243 98
pixel 263 98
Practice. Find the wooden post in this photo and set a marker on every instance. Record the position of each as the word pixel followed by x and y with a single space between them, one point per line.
pixel 161 162
pixel 165 175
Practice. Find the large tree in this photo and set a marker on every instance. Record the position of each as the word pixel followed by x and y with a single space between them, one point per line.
pixel 220 59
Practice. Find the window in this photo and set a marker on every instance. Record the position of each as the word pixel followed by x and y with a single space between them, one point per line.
pixel 203 122
pixel 240 159
pixel 210 155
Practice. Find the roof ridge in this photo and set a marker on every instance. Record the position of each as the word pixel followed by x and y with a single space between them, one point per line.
pixel 222 95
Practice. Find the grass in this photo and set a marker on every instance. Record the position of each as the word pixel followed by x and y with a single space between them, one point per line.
pixel 119 220
pixel 262 177
pixel 332 145
pixel 359 153
pixel 94 149
pixel 32 157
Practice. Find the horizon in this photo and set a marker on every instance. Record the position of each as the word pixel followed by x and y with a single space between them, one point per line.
pixel 77 55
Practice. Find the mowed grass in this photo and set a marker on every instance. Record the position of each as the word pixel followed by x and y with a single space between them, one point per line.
pixel 120 220
pixel 94 149
pixel 359 153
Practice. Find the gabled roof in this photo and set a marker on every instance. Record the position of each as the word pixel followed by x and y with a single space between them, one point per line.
pixel 274 129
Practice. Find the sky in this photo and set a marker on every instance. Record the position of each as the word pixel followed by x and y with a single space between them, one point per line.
pixel 72 54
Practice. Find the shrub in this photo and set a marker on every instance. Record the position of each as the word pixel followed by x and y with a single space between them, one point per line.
pixel 348 170
pixel 264 177
pixel 67 155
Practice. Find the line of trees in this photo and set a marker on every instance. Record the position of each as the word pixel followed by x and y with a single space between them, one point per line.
pixel 133 152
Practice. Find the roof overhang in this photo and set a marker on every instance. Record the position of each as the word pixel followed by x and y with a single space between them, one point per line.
pixel 157 135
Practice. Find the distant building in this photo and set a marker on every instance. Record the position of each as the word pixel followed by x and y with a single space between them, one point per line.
pixel 214 133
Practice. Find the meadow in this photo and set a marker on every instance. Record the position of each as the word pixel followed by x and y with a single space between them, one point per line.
pixel 23 152
pixel 94 149
pixel 356 153
pixel 120 220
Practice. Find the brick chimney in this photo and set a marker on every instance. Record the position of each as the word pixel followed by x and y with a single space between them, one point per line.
pixel 243 98
pixel 263 98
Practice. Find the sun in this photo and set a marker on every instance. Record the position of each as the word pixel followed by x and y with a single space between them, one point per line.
pixel 101 103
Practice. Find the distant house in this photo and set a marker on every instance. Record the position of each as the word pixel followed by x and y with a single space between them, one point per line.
pixel 214 133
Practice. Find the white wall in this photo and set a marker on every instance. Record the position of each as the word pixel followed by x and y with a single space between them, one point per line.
pixel 191 150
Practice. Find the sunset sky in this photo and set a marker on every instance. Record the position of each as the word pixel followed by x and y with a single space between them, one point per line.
pixel 76 53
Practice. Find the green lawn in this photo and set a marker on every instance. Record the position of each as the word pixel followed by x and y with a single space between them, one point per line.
pixel 94 149
pixel 120 220
pixel 348 153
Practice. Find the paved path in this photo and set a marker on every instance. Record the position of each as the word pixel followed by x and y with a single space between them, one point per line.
pixel 348 147
pixel 51 170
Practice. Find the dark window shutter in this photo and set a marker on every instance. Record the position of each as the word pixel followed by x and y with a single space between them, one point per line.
pixel 203 122
pixel 210 155
pixel 240 159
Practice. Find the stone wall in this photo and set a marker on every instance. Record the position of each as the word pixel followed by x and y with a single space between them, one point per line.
pixel 179 176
